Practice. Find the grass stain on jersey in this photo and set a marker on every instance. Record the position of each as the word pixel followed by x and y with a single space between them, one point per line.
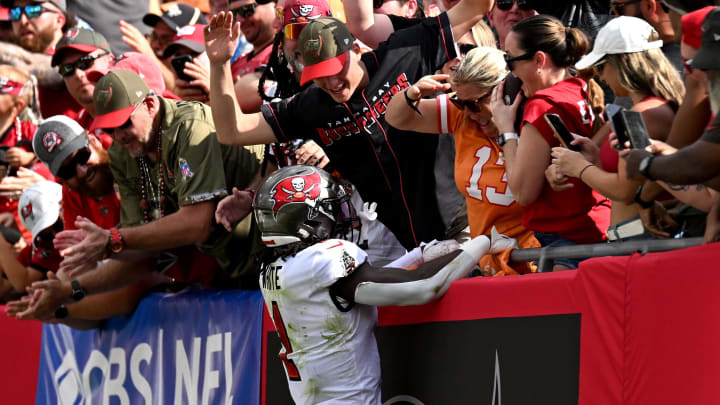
pixel 335 330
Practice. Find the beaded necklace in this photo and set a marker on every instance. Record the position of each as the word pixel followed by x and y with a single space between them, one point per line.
pixel 153 205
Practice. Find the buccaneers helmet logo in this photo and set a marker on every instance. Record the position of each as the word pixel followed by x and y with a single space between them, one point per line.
pixel 302 189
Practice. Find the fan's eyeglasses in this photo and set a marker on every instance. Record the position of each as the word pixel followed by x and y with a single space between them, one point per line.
pixel 83 63
pixel 509 61
pixel 617 8
pixel 31 11
pixel 292 31
pixel 246 11
pixel 472 105
pixel 506 5
pixel 68 170
pixel 126 124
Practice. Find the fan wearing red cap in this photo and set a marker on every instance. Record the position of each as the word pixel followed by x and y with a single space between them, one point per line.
pixel 187 57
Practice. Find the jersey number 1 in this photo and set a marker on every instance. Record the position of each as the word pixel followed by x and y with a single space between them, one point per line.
pixel 292 370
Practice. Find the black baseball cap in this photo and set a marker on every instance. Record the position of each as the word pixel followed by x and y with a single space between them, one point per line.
pixel 708 56
pixel 176 16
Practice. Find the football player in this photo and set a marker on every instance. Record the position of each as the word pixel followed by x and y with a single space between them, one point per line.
pixel 321 291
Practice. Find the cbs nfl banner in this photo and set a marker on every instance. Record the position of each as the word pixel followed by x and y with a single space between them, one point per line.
pixel 194 347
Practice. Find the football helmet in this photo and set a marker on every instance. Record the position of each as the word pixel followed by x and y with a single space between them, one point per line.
pixel 304 204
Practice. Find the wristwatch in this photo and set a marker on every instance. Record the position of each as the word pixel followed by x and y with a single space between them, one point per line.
pixel 506 136
pixel 78 292
pixel 116 244
pixel 644 166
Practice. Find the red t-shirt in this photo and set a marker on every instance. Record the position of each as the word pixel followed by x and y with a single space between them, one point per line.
pixel 579 214
pixel 249 62
pixel 40 259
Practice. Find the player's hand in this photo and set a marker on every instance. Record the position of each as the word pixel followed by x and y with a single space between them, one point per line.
pixel 503 114
pixel 500 242
pixel 557 180
pixel 233 208
pixel 221 37
pixel 428 85
pixel 310 153
pixel 633 157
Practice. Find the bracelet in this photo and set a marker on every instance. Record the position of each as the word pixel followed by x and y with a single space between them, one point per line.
pixel 410 102
pixel 639 201
pixel 583 170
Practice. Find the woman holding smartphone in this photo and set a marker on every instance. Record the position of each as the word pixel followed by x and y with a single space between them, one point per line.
pixel 540 51
pixel 479 169
pixel 628 58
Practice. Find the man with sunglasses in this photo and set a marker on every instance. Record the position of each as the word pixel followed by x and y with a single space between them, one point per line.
pixel 258 23
pixel 507 13
pixel 344 111
pixel 37 27
pixel 656 14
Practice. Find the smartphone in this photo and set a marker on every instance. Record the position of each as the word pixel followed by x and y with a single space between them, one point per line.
pixel 617 123
pixel 561 131
pixel 511 88
pixel 178 64
pixel 636 129
pixel 610 111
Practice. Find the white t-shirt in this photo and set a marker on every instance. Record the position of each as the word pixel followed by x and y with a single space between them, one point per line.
pixel 329 356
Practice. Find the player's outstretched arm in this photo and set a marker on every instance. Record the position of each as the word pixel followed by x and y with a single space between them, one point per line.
pixel 232 125
pixel 390 286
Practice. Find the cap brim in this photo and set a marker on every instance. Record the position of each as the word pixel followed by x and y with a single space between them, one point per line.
pixel 589 60
pixel 112 119
pixel 706 59
pixel 79 47
pixel 325 68
pixel 194 46
pixel 150 19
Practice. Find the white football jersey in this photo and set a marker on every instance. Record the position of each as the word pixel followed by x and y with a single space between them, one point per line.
pixel 330 356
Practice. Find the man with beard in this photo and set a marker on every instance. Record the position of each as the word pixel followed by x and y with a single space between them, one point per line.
pixel 37 27
pixel 258 22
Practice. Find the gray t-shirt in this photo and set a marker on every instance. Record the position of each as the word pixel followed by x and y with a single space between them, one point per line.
pixel 103 16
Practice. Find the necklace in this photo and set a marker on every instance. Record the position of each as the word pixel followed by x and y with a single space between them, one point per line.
pixel 153 204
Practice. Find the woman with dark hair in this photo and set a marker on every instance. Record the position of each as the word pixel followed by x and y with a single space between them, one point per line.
pixel 540 51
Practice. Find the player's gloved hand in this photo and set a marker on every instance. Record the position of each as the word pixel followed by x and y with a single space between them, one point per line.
pixel 500 242
pixel 367 213
pixel 437 248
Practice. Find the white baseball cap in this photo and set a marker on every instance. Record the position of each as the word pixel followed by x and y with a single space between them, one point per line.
pixel 39 206
pixel 620 35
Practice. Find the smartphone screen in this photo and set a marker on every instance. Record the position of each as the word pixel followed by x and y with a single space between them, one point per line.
pixel 561 131
pixel 636 130
pixel 178 64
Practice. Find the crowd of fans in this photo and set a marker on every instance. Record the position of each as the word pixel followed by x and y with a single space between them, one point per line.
pixel 130 147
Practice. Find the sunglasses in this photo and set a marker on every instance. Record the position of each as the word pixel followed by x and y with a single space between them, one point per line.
pixel 246 11
pixel 617 8
pixel 31 11
pixel 472 105
pixel 126 124
pixel 509 61
pixel 46 238
pixel 67 171
pixel 506 5
pixel 292 31
pixel 466 48
pixel 83 63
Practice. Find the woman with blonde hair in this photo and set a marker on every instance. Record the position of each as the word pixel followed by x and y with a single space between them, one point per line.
pixel 628 56
pixel 479 166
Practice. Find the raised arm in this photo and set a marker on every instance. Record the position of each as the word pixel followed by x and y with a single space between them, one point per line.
pixel 466 13
pixel 365 25
pixel 401 115
pixel 232 125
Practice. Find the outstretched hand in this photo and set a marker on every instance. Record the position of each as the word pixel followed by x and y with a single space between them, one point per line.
pixel 233 208
pixel 221 37
pixel 82 256
pixel 45 297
